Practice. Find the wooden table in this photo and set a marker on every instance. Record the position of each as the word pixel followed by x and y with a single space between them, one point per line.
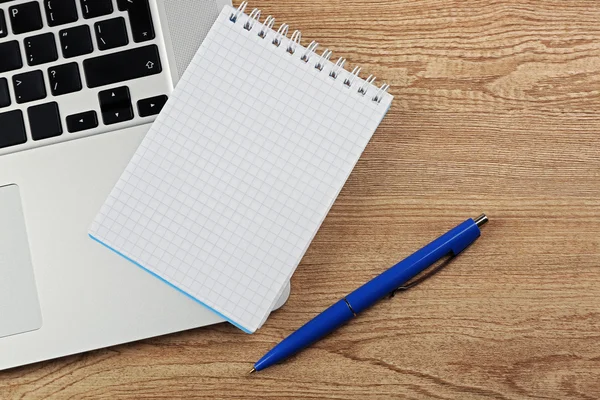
pixel 497 109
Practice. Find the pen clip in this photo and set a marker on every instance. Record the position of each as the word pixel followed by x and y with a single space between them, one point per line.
pixel 425 276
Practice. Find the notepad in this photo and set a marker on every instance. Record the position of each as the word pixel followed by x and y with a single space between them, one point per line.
pixel 236 175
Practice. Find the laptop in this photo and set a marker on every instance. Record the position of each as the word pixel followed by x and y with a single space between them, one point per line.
pixel 80 83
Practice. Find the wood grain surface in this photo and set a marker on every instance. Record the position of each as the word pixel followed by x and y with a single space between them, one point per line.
pixel 496 110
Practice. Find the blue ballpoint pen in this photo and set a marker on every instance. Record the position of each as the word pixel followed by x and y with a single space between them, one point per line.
pixel 451 243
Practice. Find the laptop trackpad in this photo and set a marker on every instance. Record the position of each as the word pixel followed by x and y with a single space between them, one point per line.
pixel 19 306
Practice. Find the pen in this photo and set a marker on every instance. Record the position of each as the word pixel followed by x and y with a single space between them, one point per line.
pixel 450 243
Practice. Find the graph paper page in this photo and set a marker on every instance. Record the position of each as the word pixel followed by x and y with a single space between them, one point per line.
pixel 234 178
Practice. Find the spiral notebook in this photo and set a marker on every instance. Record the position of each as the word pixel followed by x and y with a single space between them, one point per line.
pixel 235 177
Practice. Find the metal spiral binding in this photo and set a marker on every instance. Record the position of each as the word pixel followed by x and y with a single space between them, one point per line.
pixel 240 10
pixel 336 69
pixel 294 42
pixel 281 33
pixel 268 24
pixel 310 49
pixel 324 57
pixel 353 75
pixel 364 88
pixel 380 93
pixel 252 19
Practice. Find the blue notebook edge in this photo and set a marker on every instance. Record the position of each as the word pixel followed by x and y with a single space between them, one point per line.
pixel 169 283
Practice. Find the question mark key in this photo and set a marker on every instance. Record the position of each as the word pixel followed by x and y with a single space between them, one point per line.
pixel 64 79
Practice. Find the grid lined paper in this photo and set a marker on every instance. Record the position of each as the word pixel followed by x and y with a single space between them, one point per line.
pixel 234 178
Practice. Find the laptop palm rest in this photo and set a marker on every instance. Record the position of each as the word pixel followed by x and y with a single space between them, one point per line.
pixel 19 305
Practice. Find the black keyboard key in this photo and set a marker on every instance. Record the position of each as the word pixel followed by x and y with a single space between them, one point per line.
pixel 116 97
pixel 82 121
pixel 96 8
pixel 10 56
pixel 4 94
pixel 64 79
pixel 122 66
pixel 140 19
pixel 60 12
pixel 117 115
pixel 13 129
pixel 40 49
pixel 111 33
pixel 44 121
pixel 3 27
pixel 76 41
pixel 115 105
pixel 29 86
pixel 151 106
pixel 25 17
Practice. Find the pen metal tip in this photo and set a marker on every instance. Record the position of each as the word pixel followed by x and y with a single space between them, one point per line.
pixel 253 370
pixel 481 220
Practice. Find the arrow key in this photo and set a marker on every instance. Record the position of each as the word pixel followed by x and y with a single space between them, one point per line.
pixel 115 105
pixel 82 121
pixel 151 106
pixel 118 97
pixel 117 115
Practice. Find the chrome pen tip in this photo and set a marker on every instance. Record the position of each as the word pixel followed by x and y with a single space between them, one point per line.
pixel 481 220
pixel 253 370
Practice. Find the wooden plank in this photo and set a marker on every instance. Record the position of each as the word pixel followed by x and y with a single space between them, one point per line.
pixel 496 110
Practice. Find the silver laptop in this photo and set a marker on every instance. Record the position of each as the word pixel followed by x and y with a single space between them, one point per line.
pixel 80 82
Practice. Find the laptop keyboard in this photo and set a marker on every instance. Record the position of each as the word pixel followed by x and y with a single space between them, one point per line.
pixel 74 68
